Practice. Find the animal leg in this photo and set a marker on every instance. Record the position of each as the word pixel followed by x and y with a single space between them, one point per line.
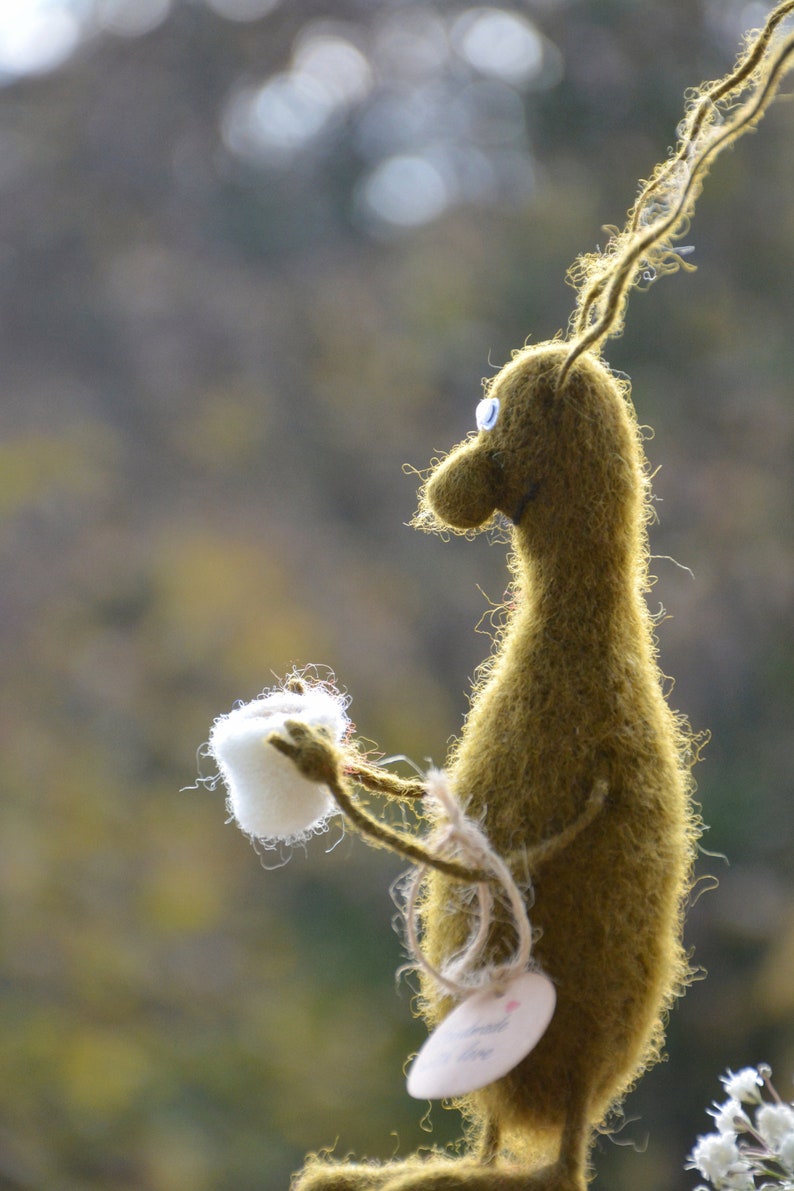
pixel 569 1172
pixel 480 1171
pixel 468 1175
pixel 456 1174
pixel 427 1172
pixel 577 1137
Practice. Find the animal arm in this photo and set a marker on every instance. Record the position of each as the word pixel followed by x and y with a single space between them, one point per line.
pixel 370 777
pixel 380 781
pixel 320 761
pixel 537 856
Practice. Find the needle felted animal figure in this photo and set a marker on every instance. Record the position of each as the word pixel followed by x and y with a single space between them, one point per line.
pixel 572 761
pixel 570 758
pixel 570 750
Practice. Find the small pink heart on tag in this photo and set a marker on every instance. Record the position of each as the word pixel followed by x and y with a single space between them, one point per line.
pixel 511 1006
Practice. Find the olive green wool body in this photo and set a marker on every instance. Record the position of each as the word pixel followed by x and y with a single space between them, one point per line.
pixel 569 704
pixel 571 700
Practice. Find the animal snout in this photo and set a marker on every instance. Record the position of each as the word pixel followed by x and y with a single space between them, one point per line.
pixel 464 490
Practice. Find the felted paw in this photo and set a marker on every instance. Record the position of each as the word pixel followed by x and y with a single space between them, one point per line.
pixel 274 755
pixel 309 748
pixel 451 1174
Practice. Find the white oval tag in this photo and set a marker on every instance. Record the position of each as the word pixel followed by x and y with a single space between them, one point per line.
pixel 484 1038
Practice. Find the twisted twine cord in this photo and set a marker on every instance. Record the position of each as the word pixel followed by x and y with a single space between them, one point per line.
pixel 666 203
pixel 384 836
pixel 468 840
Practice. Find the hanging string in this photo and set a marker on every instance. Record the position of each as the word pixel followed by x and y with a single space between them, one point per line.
pixel 467 842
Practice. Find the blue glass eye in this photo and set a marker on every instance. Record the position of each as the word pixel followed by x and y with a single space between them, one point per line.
pixel 487 413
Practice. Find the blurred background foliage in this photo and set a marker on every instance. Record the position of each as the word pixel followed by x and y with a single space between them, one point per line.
pixel 254 256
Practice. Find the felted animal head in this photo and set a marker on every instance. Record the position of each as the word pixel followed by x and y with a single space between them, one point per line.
pixel 562 464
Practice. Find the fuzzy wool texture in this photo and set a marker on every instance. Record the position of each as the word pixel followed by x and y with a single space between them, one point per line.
pixel 433 1171
pixel 267 795
pixel 571 696
pixel 717 114
pixel 570 700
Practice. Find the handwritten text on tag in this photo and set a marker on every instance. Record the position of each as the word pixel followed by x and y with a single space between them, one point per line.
pixel 484 1038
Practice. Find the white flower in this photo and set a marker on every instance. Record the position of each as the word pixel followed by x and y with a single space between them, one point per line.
pixel 744 1085
pixel 739 1178
pixel 267 795
pixel 775 1122
pixel 786 1152
pixel 747 1155
pixel 717 1157
pixel 714 1155
pixel 726 1116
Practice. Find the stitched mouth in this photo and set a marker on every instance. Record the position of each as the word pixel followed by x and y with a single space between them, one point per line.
pixel 526 499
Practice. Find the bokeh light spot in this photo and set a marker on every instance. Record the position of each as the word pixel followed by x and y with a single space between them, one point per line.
pixel 328 74
pixel 290 109
pixel 274 121
pixel 406 191
pixel 335 65
pixel 500 44
pixel 36 36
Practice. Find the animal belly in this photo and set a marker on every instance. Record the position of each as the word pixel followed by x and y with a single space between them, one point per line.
pixel 614 973
pixel 608 920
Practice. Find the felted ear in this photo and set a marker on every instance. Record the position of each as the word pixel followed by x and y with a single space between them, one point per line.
pixel 463 491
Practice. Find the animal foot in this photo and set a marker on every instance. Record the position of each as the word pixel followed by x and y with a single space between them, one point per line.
pixel 468 1175
pixel 338 1177
pixel 428 1172
pixel 433 1172
pixel 553 1178
pixel 442 1174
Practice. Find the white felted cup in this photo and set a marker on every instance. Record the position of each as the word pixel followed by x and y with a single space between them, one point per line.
pixel 267 795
